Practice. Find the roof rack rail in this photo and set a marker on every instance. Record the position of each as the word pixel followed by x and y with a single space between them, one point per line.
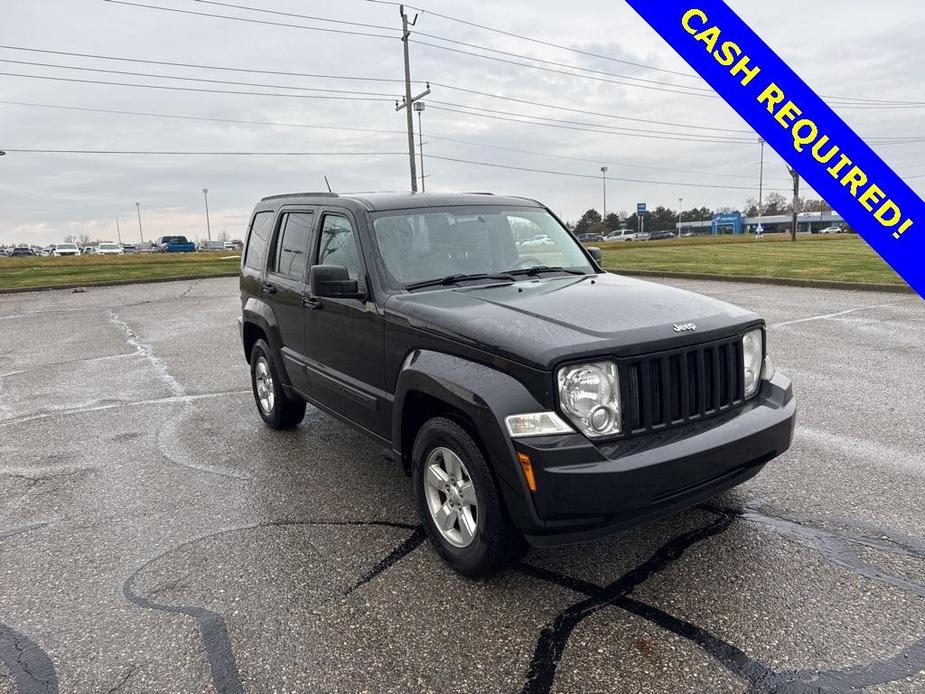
pixel 322 194
pixel 477 192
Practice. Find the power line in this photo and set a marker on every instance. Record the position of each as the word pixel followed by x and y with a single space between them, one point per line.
pixel 470 143
pixel 205 154
pixel 293 14
pixel 194 79
pixel 232 121
pixel 887 102
pixel 367 79
pixel 250 20
pixel 598 161
pixel 195 89
pixel 603 130
pixel 203 67
pixel 22 150
pixel 706 94
pixel 594 176
pixel 563 72
pixel 585 111
pixel 441 38
pixel 540 41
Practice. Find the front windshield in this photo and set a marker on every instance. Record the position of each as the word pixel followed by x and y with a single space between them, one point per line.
pixel 67 246
pixel 108 246
pixel 431 243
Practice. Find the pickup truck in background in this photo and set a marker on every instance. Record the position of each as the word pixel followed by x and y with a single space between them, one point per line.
pixel 175 244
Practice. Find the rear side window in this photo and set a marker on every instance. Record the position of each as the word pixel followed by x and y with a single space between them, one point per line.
pixel 292 246
pixel 257 241
pixel 338 245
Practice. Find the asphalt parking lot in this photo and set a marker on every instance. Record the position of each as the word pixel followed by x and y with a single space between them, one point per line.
pixel 156 537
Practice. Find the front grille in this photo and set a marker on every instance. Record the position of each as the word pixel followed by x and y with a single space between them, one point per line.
pixel 672 388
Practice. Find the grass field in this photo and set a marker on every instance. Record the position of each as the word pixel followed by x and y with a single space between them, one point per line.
pixel 834 258
pixel 18 273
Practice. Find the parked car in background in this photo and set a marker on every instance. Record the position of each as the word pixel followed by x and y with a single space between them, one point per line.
pixel 538 241
pixel 831 230
pixel 627 235
pixel 175 244
pixel 63 249
pixel 661 235
pixel 590 237
pixel 230 246
pixel 88 250
pixel 109 248
pixel 129 248
pixel 47 251
pixel 147 248
pixel 22 251
pixel 205 246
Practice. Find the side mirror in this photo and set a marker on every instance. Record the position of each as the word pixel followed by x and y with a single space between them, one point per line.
pixel 332 281
pixel 595 253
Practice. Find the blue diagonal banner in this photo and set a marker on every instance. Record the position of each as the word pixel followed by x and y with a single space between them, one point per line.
pixel 799 125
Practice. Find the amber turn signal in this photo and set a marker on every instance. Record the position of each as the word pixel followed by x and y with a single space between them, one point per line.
pixel 528 470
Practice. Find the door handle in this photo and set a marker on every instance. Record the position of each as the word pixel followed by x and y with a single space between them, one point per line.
pixel 311 302
pixel 268 289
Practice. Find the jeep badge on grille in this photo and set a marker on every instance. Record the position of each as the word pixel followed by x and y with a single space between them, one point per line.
pixel 684 327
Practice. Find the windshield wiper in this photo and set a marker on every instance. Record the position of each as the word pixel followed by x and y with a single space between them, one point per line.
pixel 537 269
pixel 455 279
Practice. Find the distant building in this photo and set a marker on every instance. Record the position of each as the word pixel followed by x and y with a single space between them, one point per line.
pixel 735 224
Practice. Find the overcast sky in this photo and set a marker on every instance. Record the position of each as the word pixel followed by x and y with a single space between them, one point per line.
pixel 837 46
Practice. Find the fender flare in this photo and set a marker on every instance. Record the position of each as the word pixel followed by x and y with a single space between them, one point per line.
pixel 486 396
pixel 256 312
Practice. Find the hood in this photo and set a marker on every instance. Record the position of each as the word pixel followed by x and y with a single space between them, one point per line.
pixel 541 322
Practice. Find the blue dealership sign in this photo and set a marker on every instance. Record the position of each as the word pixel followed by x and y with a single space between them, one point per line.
pixel 799 125
pixel 640 208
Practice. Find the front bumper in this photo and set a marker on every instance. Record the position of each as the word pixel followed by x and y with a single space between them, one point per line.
pixel 585 491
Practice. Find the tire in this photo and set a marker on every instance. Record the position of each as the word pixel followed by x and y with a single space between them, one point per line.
pixel 480 539
pixel 275 407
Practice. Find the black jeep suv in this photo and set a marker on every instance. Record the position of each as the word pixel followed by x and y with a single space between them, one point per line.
pixel 530 395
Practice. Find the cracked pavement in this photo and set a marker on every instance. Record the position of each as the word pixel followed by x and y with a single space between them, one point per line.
pixel 155 536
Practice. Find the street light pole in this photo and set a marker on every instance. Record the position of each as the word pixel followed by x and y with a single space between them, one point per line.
pixel 118 232
pixel 140 232
pixel 680 207
pixel 205 194
pixel 604 178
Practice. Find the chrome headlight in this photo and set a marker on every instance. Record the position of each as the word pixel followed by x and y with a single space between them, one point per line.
pixel 589 395
pixel 752 361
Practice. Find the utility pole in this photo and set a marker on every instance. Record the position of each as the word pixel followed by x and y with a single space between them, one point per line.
pixel 118 232
pixel 408 100
pixel 140 232
pixel 796 203
pixel 604 176
pixel 205 194
pixel 419 107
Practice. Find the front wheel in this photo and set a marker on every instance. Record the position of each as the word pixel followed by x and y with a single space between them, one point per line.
pixel 458 502
pixel 275 407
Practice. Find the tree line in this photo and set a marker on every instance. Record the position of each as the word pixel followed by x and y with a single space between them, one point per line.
pixel 666 219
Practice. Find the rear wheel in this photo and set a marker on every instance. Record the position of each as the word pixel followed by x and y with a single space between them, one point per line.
pixel 276 408
pixel 458 502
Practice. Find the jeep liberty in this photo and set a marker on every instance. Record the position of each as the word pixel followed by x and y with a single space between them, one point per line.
pixel 533 398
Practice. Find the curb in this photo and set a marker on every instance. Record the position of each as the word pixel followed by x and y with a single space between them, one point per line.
pixel 779 281
pixel 115 283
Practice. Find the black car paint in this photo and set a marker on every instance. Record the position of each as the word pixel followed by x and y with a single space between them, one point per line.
pixel 491 350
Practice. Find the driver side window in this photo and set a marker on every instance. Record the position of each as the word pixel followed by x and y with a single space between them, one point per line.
pixel 338 245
